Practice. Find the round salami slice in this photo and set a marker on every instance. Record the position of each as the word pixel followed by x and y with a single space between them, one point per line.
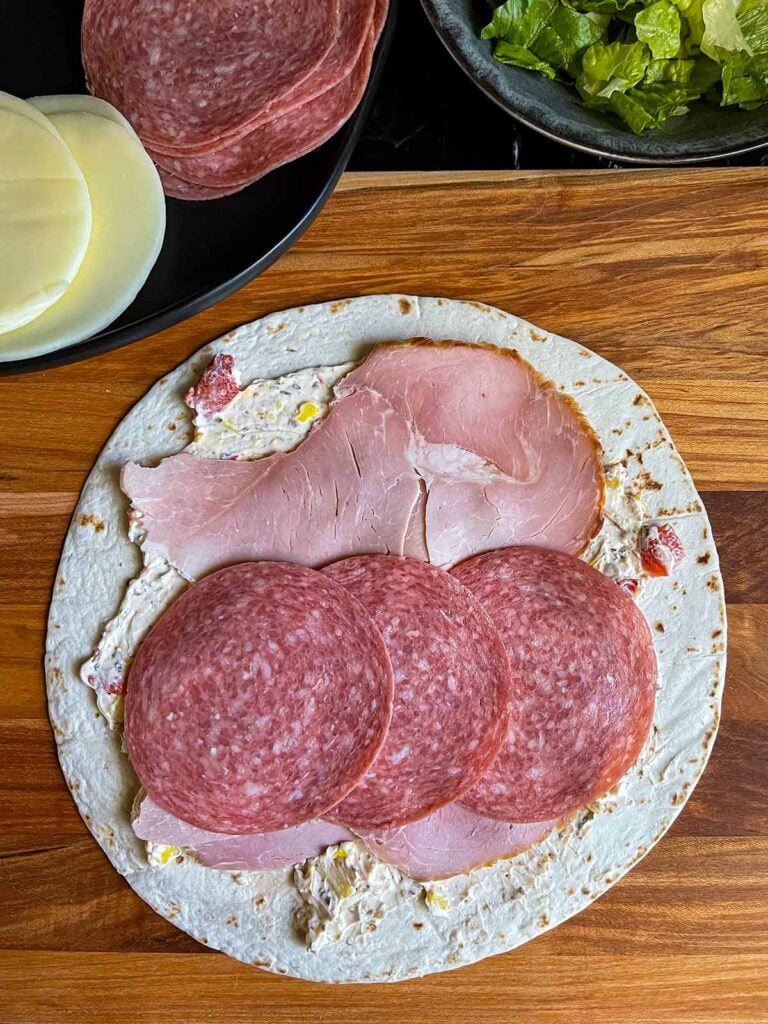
pixel 258 700
pixel 584 675
pixel 452 689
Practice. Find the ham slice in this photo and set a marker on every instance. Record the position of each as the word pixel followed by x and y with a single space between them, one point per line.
pixel 348 489
pixel 438 451
pixel 264 852
pixel 452 841
pixel 506 459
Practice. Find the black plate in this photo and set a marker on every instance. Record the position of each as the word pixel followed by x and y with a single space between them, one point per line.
pixel 554 109
pixel 211 248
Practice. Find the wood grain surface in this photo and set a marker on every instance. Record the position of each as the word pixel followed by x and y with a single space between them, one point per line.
pixel 666 273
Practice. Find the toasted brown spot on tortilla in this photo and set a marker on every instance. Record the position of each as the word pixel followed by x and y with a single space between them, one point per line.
pixel 405 306
pixel 261 963
pixel 659 627
pixel 716 633
pixel 617 431
pixel 589 857
pixel 585 891
pixel 258 901
pixel 203 940
pixel 180 859
pixel 276 328
pixel 538 335
pixel 570 891
pixel 712 583
pixel 477 305
pixel 585 352
pixel 578 383
pixel 639 399
pixel 336 307
pixel 89 519
pixel 703 559
pixel 418 925
pixel 174 909
pixel 62 582
pixel 171 425
pixel 57 678
pixel 233 922
pixel 543 920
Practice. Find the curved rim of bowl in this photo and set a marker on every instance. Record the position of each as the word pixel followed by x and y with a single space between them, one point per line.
pixel 454 50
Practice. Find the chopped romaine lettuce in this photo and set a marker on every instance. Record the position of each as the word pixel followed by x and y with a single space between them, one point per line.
pixel 643 60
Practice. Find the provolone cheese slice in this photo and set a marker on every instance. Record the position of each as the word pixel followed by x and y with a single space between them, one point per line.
pixel 80 103
pixel 45 215
pixel 128 227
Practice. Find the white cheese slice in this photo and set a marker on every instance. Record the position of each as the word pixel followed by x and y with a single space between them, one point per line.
pixel 45 215
pixel 128 226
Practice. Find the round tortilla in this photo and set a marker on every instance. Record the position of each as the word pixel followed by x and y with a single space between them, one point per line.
pixel 492 909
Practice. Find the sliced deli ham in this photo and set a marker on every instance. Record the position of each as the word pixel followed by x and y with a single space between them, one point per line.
pixel 452 690
pixel 265 852
pixel 584 675
pixel 391 470
pixel 258 700
pixel 289 136
pixel 349 488
pixel 452 841
pixel 188 75
pixel 506 458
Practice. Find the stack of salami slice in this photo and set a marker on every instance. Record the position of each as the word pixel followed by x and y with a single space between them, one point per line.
pixel 223 92
pixel 446 718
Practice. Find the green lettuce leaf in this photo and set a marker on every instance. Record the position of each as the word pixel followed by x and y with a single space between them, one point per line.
pixel 722 31
pixel 519 21
pixel 566 37
pixel 650 106
pixel 659 26
pixel 522 57
pixel 611 67
pixel 753 22
pixel 603 6
pixel 693 23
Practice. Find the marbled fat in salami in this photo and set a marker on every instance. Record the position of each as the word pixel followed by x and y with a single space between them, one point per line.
pixel 452 689
pixel 584 675
pixel 258 700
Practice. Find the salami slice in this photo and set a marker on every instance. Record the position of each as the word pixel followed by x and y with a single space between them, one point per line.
pixel 188 74
pixel 265 852
pixel 584 675
pixel 291 135
pixel 258 700
pixel 451 841
pixel 452 689
pixel 177 188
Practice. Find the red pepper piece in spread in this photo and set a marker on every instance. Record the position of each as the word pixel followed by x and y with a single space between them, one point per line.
pixel 216 388
pixel 661 550
pixel 629 586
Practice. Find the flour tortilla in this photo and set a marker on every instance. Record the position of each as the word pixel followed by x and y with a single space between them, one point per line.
pixel 494 908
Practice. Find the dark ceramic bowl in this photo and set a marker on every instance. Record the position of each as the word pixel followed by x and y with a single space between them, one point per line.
pixel 554 109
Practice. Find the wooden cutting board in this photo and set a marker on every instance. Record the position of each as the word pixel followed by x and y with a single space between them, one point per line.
pixel 666 273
